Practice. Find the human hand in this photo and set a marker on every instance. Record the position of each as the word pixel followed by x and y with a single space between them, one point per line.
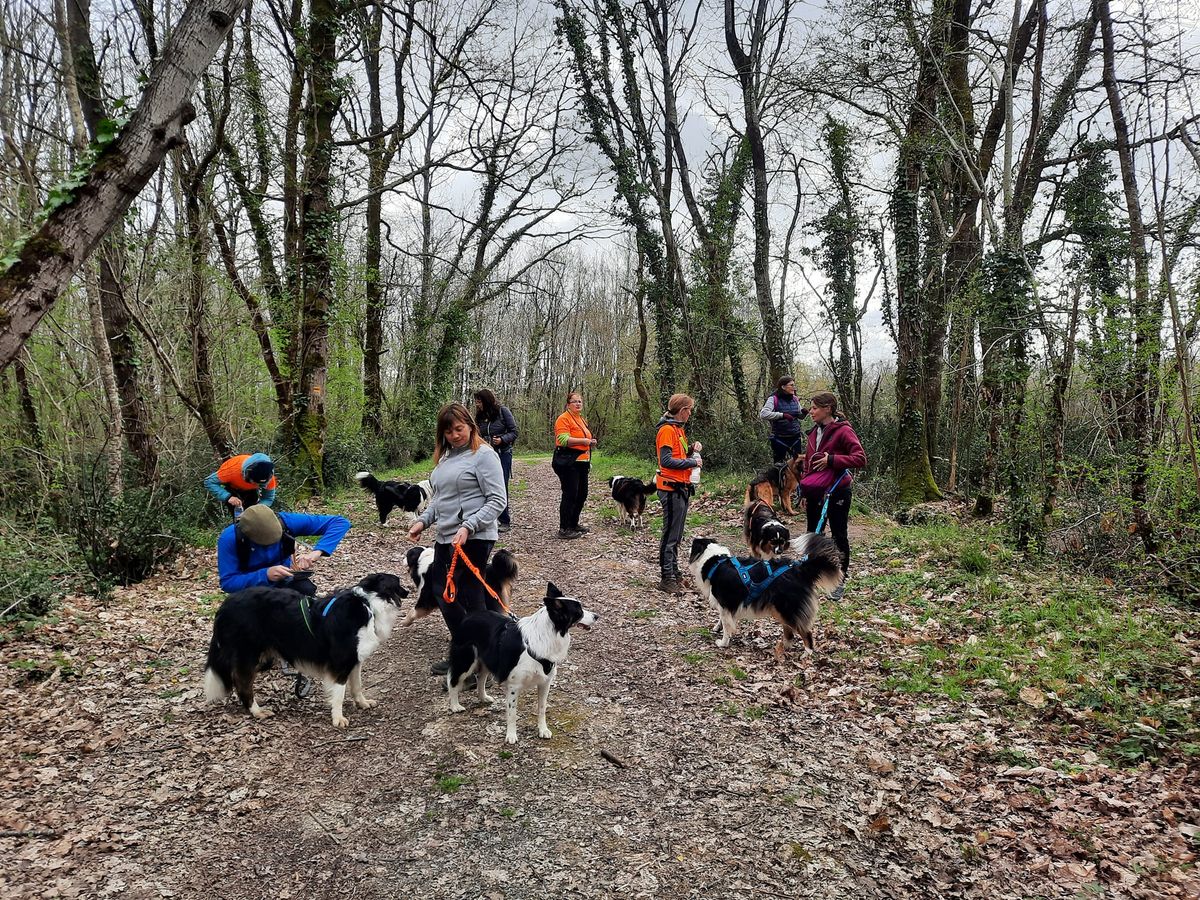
pixel 496 441
pixel 697 446
pixel 414 531
pixel 461 536
pixel 303 562
pixel 279 573
pixel 788 416
pixel 592 442
pixel 820 462
pixel 234 502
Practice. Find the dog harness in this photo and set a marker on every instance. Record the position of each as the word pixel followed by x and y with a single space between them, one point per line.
pixel 755 589
pixel 305 601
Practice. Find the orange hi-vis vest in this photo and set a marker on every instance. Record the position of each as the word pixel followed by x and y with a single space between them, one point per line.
pixel 674 437
pixel 230 475
pixel 570 425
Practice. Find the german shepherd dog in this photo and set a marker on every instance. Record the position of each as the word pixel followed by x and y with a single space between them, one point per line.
pixel 776 485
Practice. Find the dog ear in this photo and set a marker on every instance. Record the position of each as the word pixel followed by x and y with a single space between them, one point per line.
pixel 552 591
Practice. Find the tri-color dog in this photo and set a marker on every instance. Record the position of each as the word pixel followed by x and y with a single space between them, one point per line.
pixel 630 495
pixel 781 589
pixel 765 535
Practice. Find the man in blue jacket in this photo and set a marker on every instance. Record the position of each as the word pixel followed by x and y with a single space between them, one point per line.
pixel 259 550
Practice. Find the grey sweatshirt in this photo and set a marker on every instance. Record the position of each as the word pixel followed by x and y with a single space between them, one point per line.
pixel 468 489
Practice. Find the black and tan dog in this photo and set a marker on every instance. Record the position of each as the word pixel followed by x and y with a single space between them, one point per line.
pixel 765 535
pixel 776 485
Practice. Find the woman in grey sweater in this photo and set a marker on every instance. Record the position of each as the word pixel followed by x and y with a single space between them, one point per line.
pixel 468 496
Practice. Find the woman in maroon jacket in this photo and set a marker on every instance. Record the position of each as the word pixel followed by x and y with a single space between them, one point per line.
pixel 833 449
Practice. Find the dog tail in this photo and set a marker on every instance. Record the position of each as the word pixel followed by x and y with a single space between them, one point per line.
pixel 501 574
pixel 822 565
pixel 649 487
pixel 218 674
pixel 368 481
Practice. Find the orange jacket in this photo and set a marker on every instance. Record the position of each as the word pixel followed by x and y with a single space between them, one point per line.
pixel 230 474
pixel 569 425
pixel 674 438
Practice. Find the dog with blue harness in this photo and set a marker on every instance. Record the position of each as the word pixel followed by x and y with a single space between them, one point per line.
pixel 786 590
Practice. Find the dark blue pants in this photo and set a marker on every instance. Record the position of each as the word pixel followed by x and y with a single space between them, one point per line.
pixel 837 521
pixel 506 465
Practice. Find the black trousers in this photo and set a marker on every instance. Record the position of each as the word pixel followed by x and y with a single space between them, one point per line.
pixel 784 447
pixel 470 595
pixel 506 467
pixel 574 478
pixel 836 522
pixel 675 508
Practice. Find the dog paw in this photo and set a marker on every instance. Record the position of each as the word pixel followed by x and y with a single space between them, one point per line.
pixel 545 733
pixel 488 698
pixel 510 738
pixel 365 703
pixel 261 713
pixel 340 722
pixel 723 642
pixel 456 707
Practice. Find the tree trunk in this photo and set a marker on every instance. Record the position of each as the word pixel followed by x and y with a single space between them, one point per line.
pixel 72 230
pixel 319 238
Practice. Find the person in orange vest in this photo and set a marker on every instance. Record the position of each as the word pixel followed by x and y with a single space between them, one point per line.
pixel 674 482
pixel 243 481
pixel 573 443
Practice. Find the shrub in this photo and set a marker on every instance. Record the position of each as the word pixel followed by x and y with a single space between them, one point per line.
pixel 123 538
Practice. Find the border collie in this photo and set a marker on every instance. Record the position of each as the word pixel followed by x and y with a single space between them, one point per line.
pixel 389 495
pixel 630 495
pixel 776 486
pixel 501 574
pixel 519 654
pixel 765 535
pixel 327 638
pixel 789 597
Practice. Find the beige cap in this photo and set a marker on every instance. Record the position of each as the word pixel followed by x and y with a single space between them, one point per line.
pixel 260 525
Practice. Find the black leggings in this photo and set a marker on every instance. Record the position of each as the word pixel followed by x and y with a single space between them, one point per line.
pixel 574 478
pixel 836 522
pixel 470 595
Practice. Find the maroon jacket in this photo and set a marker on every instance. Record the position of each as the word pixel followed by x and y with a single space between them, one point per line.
pixel 846 452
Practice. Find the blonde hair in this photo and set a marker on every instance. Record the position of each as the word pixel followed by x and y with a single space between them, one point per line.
pixel 448 416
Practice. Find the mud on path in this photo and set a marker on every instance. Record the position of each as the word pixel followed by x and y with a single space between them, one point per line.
pixel 675 770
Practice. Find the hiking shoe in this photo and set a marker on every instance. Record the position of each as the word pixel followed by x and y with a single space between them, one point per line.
pixel 441 667
pixel 838 592
pixel 582 529
pixel 503 527
pixel 566 534
pixel 670 586
pixel 304 686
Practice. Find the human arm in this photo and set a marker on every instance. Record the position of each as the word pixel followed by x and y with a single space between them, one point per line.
pixel 666 456
pixel 509 436
pixel 232 579
pixel 267 497
pixel 490 475
pixel 213 483
pixel 564 438
pixel 768 411
pixel 850 453
pixel 330 529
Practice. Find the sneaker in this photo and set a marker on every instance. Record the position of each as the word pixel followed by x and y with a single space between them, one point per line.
pixel 503 527
pixel 670 586
pixel 582 529
pixel 304 686
pixel 566 534
pixel 441 667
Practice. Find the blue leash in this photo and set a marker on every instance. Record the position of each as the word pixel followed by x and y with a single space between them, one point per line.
pixel 825 505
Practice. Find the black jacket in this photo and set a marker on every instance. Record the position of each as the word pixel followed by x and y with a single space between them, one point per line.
pixel 504 426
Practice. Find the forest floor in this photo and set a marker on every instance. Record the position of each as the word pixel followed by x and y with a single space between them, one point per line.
pixel 969 727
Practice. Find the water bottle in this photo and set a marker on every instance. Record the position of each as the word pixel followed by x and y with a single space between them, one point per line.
pixel 237 513
pixel 694 475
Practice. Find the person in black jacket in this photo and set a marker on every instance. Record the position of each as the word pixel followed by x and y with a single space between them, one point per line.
pixel 499 429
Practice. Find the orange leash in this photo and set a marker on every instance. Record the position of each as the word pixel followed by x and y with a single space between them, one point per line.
pixel 450 593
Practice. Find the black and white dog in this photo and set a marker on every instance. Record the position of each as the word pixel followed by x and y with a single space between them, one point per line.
pixel 500 575
pixel 765 535
pixel 630 495
pixel 519 654
pixel 327 638
pixel 780 589
pixel 390 495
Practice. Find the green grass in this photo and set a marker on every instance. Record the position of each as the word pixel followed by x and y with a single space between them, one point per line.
pixel 449 784
pixel 983 624
pixel 644 613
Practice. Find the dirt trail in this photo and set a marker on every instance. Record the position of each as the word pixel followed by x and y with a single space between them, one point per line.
pixel 735 776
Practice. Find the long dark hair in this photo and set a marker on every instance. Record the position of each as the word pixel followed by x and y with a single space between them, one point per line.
pixel 786 379
pixel 490 406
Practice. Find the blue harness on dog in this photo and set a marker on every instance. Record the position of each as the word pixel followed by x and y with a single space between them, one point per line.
pixel 755 589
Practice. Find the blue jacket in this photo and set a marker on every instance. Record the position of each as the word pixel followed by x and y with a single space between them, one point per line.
pixel 331 530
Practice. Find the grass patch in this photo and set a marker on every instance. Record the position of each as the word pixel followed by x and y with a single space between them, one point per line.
pixel 644 613
pixel 696 657
pixel 981 624
pixel 449 784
